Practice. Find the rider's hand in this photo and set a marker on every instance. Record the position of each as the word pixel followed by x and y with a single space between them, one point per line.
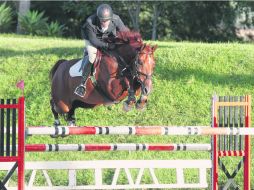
pixel 111 46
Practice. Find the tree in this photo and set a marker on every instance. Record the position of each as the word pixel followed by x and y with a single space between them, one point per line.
pixel 202 21
pixel 24 7
pixel 157 9
pixel 134 11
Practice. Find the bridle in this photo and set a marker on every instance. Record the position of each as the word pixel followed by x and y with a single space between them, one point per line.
pixel 137 74
pixel 133 68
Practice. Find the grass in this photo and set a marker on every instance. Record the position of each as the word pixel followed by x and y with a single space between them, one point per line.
pixel 186 76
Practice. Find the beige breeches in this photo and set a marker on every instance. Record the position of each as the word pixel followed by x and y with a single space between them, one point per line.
pixel 91 50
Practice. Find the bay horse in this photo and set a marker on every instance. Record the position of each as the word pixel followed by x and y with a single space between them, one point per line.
pixel 125 71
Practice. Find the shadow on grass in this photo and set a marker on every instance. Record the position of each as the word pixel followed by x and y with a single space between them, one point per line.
pixel 165 73
pixel 61 52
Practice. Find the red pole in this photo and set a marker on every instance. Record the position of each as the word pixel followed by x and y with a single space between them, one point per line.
pixel 247 164
pixel 215 151
pixel 21 143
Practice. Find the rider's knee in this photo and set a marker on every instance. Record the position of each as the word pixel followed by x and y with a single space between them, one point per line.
pixel 92 55
pixel 91 50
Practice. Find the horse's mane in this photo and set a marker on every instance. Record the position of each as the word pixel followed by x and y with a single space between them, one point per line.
pixel 132 38
pixel 128 35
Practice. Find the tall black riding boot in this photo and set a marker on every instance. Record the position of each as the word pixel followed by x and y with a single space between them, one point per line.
pixel 81 89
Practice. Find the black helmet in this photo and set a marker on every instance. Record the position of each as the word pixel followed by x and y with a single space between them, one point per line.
pixel 104 12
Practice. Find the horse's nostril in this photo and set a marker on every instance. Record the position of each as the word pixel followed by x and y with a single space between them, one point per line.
pixel 146 91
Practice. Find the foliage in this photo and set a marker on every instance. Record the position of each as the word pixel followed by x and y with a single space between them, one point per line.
pixel 54 29
pixel 245 9
pixel 207 21
pixel 194 21
pixel 76 13
pixel 33 23
pixel 6 17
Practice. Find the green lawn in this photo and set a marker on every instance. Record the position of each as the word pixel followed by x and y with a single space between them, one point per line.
pixel 186 76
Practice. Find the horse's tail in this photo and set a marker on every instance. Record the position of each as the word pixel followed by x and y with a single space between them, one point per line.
pixel 54 68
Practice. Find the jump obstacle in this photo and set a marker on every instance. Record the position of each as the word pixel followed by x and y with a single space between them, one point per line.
pixel 116 147
pixel 230 136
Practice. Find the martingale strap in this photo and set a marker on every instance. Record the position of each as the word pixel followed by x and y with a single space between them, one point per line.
pixel 97 86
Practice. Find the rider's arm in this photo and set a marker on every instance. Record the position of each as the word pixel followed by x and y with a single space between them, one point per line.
pixel 120 25
pixel 94 40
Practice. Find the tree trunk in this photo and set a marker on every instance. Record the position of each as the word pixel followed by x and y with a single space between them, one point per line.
pixel 24 7
pixel 134 11
pixel 156 13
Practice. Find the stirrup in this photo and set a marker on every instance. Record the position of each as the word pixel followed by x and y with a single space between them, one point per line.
pixel 78 90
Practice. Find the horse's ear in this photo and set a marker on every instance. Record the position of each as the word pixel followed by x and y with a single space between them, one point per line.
pixel 154 47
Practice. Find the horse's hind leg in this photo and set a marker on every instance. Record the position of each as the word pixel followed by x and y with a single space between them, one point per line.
pixel 71 117
pixel 56 115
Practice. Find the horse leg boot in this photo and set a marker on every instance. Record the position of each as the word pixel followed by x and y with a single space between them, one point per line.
pixel 130 102
pixel 81 89
pixel 141 103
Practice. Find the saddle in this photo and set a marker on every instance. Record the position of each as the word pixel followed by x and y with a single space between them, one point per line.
pixel 77 68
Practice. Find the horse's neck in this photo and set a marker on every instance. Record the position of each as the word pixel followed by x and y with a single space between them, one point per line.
pixel 126 52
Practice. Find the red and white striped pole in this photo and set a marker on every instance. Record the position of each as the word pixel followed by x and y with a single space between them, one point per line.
pixel 116 147
pixel 137 130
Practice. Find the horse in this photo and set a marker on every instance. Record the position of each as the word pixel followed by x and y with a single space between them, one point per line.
pixel 125 71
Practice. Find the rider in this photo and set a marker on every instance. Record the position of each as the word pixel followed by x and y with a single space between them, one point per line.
pixel 98 26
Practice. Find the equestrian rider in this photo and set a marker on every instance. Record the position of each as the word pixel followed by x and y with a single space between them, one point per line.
pixel 97 27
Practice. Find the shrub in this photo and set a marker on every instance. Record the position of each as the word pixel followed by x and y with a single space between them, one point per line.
pixel 55 29
pixel 33 23
pixel 5 17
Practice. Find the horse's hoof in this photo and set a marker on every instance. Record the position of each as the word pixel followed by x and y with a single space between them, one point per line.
pixel 72 123
pixel 109 108
pixel 140 107
pixel 56 123
pixel 127 107
pixel 54 136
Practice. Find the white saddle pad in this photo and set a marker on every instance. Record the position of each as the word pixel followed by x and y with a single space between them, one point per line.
pixel 75 69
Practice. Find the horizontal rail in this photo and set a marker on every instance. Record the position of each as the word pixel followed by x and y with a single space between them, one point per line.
pixel 9 106
pixel 137 130
pixel 116 147
pixel 107 164
pixel 145 168
pixel 231 153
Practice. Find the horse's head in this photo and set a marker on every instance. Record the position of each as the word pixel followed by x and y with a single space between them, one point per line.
pixel 144 61
pixel 144 67
pixel 140 56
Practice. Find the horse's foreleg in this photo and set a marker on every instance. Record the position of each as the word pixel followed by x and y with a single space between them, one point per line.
pixel 130 102
pixel 141 103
